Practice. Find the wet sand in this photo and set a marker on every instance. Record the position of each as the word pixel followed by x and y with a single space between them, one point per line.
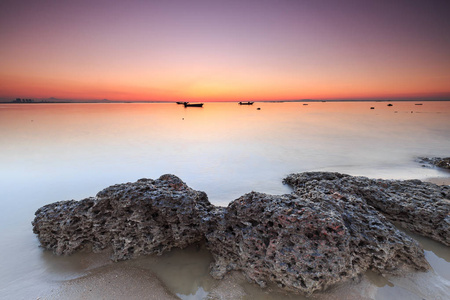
pixel 183 274
pixel 124 280
pixel 113 282
pixel 438 180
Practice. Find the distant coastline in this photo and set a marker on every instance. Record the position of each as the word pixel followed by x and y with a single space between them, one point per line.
pixel 57 101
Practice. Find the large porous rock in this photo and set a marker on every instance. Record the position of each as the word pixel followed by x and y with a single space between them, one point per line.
pixel 420 207
pixel 306 242
pixel 144 217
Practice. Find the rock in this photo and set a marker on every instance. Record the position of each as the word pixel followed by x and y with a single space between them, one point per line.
pixel 420 207
pixel 309 241
pixel 327 231
pixel 443 163
pixel 436 161
pixel 145 217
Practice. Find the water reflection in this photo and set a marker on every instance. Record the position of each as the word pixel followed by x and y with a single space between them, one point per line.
pixel 183 271
pixel 436 253
pixel 73 266
pixel 224 149
pixel 199 294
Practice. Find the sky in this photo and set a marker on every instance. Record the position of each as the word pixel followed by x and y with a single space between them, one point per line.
pixel 225 50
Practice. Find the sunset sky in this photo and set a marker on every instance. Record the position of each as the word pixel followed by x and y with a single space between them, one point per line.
pixel 225 50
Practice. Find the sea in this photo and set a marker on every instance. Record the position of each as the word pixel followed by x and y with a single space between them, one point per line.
pixel 60 151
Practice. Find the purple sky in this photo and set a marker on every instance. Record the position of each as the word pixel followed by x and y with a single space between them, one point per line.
pixel 225 50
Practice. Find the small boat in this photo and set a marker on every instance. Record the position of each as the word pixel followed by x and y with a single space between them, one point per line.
pixel 246 103
pixel 187 104
pixel 372 107
pixel 389 104
pixel 418 104
pixel 180 102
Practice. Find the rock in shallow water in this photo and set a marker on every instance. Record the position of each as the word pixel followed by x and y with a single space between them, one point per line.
pixel 437 161
pixel 308 242
pixel 144 217
pixel 305 241
pixel 420 207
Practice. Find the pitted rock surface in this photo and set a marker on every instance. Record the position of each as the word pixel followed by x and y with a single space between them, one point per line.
pixel 308 242
pixel 420 207
pixel 305 241
pixel 144 217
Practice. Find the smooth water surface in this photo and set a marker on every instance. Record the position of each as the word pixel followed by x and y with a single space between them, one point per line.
pixel 53 152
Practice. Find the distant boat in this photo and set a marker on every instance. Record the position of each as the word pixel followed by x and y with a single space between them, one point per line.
pixel 246 103
pixel 389 104
pixel 372 107
pixel 187 104
pixel 418 104
pixel 180 102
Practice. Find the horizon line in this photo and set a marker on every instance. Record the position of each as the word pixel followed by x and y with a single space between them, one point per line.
pixel 106 101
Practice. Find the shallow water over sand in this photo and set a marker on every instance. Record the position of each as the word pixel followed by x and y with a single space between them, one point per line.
pixel 52 152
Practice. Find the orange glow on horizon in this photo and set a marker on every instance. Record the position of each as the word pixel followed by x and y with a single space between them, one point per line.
pixel 224 51
pixel 267 89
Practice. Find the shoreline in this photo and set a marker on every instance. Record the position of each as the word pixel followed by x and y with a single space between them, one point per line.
pixel 192 264
pixel 158 277
pixel 438 180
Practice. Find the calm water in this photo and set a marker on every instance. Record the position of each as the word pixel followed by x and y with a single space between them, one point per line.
pixel 52 152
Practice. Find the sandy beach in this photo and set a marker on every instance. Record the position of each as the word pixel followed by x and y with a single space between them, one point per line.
pixel 439 180
pixel 128 280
